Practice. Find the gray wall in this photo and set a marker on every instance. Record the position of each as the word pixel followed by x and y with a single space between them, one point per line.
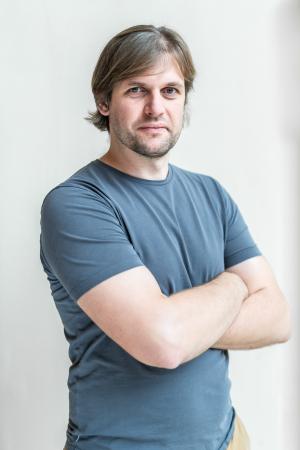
pixel 244 130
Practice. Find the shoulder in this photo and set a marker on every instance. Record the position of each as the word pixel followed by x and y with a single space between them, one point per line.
pixel 207 182
pixel 82 188
pixel 192 175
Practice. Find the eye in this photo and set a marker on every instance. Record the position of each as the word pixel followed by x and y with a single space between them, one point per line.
pixel 171 91
pixel 135 90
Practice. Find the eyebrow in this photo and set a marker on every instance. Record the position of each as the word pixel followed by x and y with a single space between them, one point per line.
pixel 139 83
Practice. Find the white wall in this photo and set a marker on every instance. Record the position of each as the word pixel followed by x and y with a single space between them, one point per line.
pixel 243 131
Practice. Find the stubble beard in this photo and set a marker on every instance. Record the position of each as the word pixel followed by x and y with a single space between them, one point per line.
pixel 139 145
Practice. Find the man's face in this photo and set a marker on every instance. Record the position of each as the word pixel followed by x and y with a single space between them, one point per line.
pixel 146 111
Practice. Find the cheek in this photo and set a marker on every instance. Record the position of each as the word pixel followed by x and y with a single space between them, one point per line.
pixel 125 113
pixel 178 113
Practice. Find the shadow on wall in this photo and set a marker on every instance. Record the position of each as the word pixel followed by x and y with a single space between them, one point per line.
pixel 288 32
pixel 288 24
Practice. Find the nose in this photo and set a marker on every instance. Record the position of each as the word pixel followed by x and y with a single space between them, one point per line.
pixel 154 106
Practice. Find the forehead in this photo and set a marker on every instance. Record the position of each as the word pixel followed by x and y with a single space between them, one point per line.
pixel 165 70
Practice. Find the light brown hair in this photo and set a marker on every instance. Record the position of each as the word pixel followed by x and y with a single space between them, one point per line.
pixel 131 52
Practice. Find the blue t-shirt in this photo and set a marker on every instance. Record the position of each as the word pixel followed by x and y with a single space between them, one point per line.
pixel 185 229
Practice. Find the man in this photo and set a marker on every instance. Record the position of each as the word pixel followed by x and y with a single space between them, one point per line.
pixel 152 268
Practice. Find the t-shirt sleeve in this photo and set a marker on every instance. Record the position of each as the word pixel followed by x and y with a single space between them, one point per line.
pixel 238 242
pixel 82 240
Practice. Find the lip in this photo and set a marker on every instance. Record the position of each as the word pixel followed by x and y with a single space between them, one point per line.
pixel 153 129
pixel 154 126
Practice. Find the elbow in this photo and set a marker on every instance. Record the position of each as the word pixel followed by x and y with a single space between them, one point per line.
pixel 285 325
pixel 172 359
pixel 160 351
pixel 169 339
pixel 170 350
pixel 285 335
pixel 162 359
pixel 169 361
pixel 155 344
pixel 168 354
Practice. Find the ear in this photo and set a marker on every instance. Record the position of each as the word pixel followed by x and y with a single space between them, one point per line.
pixel 103 108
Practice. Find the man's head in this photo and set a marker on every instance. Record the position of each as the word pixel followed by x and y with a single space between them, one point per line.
pixel 132 86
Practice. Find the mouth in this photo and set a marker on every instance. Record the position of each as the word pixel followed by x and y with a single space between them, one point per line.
pixel 152 129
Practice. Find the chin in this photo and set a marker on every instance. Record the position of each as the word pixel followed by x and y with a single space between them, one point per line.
pixel 154 152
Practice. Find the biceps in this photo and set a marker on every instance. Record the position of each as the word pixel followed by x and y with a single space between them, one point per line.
pixel 129 308
pixel 256 272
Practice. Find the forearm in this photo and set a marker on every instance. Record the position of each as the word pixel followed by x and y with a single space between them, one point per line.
pixel 201 315
pixel 262 320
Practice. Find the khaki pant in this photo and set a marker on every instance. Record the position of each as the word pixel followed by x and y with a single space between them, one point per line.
pixel 240 439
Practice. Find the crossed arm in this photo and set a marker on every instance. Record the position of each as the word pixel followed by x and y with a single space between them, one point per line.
pixel 264 316
pixel 241 308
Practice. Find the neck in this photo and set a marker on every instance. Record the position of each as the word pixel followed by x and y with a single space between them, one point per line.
pixel 137 165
